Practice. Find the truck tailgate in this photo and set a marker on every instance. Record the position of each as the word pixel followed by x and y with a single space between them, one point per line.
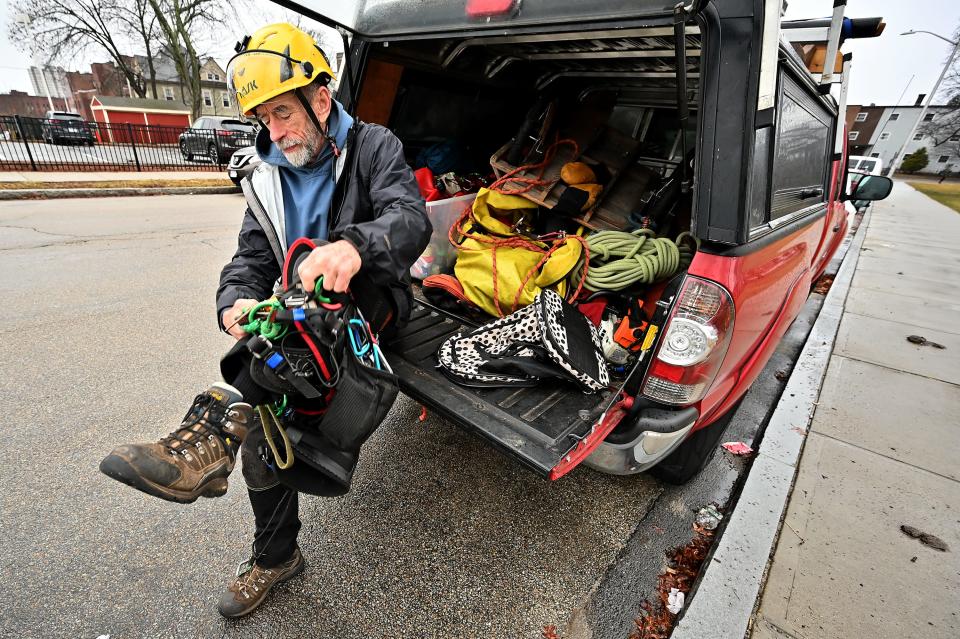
pixel 538 425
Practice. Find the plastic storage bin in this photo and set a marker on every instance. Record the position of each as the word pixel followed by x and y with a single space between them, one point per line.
pixel 440 255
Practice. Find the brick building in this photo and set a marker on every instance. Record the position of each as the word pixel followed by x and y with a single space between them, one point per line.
pixel 23 104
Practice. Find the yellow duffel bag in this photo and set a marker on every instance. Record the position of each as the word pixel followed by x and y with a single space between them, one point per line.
pixel 502 270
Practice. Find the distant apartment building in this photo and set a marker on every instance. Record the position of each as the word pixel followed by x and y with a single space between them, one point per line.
pixel 215 99
pixel 880 131
pixel 51 81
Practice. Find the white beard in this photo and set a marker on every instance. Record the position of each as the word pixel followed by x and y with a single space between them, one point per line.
pixel 304 153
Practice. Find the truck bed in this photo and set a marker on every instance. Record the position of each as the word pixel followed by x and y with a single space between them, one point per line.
pixel 539 425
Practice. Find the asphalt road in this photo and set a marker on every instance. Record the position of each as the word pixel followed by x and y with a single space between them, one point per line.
pixel 106 334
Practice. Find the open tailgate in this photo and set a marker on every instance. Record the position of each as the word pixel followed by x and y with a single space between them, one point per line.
pixel 550 428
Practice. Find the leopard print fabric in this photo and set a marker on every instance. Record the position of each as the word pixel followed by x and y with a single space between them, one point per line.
pixel 537 333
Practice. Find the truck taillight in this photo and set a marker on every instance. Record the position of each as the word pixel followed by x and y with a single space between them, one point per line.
pixel 693 344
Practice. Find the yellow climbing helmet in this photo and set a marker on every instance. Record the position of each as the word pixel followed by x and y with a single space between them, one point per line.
pixel 277 58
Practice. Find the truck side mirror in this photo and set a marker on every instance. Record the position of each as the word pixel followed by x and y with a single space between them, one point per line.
pixel 872 187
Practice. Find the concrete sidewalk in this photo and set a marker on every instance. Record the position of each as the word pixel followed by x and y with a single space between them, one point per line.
pixel 883 449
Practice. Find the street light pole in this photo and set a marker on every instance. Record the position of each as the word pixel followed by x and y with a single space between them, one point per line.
pixel 926 104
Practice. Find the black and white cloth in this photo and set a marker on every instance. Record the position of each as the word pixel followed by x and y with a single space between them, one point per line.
pixel 547 339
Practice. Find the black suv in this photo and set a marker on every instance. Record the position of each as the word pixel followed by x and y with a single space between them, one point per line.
pixel 215 138
pixel 65 127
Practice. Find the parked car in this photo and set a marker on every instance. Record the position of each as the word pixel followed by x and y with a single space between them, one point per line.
pixel 215 138
pixel 63 127
pixel 242 163
pixel 764 195
pixel 864 164
pixel 857 167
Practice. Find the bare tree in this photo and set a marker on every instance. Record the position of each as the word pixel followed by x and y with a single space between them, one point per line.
pixel 64 29
pixel 180 23
pixel 138 19
pixel 944 126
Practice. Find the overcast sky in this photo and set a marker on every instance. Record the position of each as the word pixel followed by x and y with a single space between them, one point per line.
pixel 882 66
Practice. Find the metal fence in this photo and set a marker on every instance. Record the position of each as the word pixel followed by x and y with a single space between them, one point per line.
pixel 34 144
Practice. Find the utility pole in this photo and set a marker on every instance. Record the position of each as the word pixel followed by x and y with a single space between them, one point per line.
pixel 903 149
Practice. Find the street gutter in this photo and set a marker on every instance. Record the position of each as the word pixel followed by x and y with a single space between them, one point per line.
pixel 49 194
pixel 722 603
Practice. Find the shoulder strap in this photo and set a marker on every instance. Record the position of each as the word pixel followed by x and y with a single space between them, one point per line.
pixel 352 147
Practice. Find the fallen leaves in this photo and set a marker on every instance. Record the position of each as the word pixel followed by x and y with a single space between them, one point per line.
pixel 931 541
pixel 823 284
pixel 656 621
pixel 919 340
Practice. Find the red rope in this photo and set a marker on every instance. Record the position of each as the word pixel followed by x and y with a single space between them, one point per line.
pixel 459 230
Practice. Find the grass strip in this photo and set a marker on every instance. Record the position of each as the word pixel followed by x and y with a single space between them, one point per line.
pixel 947 193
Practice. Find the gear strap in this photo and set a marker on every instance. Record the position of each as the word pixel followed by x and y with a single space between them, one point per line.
pixel 269 422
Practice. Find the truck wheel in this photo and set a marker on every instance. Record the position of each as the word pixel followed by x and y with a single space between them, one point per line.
pixel 692 455
pixel 183 151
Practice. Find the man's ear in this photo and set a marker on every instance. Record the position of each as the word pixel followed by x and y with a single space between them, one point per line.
pixel 322 103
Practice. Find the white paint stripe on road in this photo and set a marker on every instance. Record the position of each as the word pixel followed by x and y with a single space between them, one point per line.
pixel 723 602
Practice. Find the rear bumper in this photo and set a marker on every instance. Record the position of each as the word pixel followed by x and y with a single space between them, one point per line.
pixel 658 433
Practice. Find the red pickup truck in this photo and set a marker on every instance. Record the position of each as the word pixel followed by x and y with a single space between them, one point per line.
pixel 765 194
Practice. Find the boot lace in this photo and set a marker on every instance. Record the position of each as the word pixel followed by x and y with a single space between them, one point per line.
pixel 203 419
pixel 251 579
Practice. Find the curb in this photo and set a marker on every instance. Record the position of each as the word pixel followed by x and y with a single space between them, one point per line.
pixel 722 604
pixel 51 194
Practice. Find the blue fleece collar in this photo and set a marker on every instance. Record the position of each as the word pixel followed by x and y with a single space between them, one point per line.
pixel 307 191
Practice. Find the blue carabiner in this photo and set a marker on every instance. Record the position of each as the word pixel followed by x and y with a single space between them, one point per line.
pixel 359 347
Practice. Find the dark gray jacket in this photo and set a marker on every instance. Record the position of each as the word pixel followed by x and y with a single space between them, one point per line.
pixel 377 207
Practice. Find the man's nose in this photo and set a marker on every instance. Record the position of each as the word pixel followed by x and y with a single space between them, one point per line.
pixel 277 131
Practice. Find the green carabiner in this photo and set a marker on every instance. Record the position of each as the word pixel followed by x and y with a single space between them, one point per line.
pixel 318 292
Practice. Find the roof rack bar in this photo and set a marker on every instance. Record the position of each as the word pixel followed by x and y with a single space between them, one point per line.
pixel 833 44
pixel 842 106
pixel 644 32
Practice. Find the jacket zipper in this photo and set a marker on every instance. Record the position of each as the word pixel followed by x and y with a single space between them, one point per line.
pixel 256 207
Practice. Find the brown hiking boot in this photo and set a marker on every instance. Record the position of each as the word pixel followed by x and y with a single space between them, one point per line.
pixel 253 582
pixel 195 460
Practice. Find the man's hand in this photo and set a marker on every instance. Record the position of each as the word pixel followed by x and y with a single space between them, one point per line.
pixel 337 263
pixel 233 314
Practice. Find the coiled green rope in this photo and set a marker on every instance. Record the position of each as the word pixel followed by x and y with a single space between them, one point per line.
pixel 619 259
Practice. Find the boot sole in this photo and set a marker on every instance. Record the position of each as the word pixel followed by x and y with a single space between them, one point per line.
pixel 287 577
pixel 117 468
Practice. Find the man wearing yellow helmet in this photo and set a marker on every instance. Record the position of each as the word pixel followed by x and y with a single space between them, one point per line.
pixel 324 176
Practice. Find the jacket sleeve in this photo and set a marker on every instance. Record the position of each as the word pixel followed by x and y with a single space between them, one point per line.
pixel 399 231
pixel 252 271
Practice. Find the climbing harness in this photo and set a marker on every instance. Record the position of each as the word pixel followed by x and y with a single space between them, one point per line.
pixel 316 345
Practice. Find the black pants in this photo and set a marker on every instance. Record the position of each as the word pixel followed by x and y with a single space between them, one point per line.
pixel 275 503
pixel 275 506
